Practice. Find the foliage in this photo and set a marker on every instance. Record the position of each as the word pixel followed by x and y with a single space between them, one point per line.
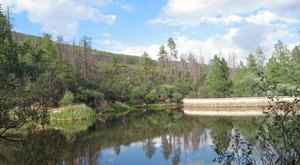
pixel 246 79
pixel 67 99
pixel 146 62
pixel 20 67
pixel 279 136
pixel 217 82
pixel 72 112
pixel 172 47
pixel 152 96
pixel 295 66
pixel 156 106
pixel 69 128
pixel 41 147
pixel 162 54
pixel 91 97
pixel 239 153
pixel 278 65
pixel 169 92
pixel 277 141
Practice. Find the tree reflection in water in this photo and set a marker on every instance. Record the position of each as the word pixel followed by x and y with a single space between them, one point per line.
pixel 149 148
pixel 278 140
pixel 40 147
pixel 177 140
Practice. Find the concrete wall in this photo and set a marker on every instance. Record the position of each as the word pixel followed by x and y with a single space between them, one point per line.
pixel 251 106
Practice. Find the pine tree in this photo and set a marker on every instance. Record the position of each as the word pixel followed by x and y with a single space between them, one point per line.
pixel 295 55
pixel 251 64
pixel 145 61
pixel 162 54
pixel 245 79
pixel 278 68
pixel 172 47
pixel 218 83
pixel 272 71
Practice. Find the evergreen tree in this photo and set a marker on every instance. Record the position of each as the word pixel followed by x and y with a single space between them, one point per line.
pixel 218 83
pixel 145 61
pixel 172 47
pixel 295 61
pixel 245 81
pixel 279 66
pixel 162 54
pixel 251 64
pixel 272 71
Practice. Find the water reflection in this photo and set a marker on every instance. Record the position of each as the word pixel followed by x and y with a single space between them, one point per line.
pixel 159 139
pixel 40 147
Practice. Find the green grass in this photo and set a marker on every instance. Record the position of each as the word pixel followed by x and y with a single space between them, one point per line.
pixel 72 112
pixel 156 107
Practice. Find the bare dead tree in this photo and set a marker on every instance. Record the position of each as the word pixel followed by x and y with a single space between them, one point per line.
pixel 60 47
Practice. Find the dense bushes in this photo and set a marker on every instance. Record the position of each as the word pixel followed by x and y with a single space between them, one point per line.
pixel 67 99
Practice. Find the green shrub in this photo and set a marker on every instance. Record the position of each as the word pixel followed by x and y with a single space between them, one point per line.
pixel 286 90
pixel 72 112
pixel 152 96
pixel 170 93
pixel 176 97
pixel 135 93
pixel 67 99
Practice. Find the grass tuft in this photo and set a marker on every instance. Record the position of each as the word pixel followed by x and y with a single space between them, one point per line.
pixel 72 112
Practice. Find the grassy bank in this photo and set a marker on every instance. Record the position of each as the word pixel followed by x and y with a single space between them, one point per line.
pixel 72 112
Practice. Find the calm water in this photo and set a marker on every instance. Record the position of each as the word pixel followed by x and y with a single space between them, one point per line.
pixel 166 138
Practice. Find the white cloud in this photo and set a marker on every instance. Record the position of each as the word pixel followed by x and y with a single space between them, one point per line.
pixel 207 48
pixel 122 48
pixel 251 23
pixel 288 8
pixel 113 44
pixel 193 21
pixel 152 50
pixel 60 16
pixel 238 41
pixel 207 8
pixel 98 3
pixel 267 17
pixel 215 45
pixel 127 6
pixel 195 12
pixel 105 34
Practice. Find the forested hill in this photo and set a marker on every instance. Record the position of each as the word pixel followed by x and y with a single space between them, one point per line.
pixel 93 75
pixel 101 56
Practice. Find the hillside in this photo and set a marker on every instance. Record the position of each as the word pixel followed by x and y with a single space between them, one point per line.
pixel 101 56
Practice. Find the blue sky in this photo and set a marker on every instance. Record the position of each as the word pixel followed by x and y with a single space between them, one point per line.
pixel 202 27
